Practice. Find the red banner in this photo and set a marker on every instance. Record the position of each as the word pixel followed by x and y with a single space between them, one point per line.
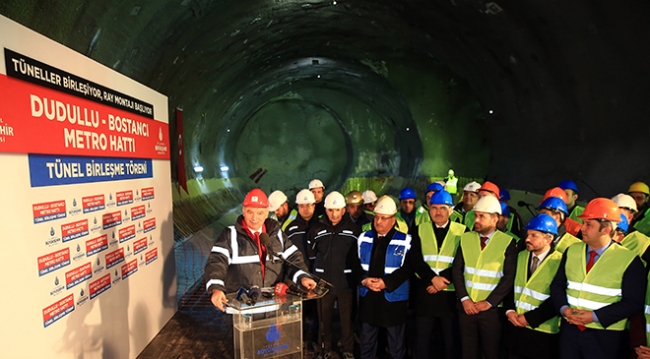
pixel 44 121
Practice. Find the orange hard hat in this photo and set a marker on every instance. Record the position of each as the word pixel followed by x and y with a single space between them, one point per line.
pixel 555 192
pixel 256 198
pixel 602 208
pixel 490 187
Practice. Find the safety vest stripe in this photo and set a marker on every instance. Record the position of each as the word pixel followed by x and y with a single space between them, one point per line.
pixel 647 328
pixel 245 259
pixel 298 274
pixel 390 270
pixel 531 293
pixel 214 281
pixel 296 233
pixel 647 309
pixel 585 303
pixel 347 231
pixel 347 271
pixel 484 272
pixel 480 286
pixel 365 267
pixel 289 251
pixel 281 238
pixel 586 287
pixel 349 235
pixel 224 251
pixel 525 306
pixel 438 258
pixel 319 270
pixel 401 242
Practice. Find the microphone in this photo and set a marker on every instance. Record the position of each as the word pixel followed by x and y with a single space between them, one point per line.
pixel 280 289
pixel 255 293
pixel 242 296
pixel 294 287
pixel 265 240
pixel 527 205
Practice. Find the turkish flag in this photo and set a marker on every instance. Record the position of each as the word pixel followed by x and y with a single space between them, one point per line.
pixel 182 177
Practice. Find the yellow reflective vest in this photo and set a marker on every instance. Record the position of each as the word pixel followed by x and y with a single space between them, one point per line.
pixel 638 243
pixel 531 293
pixel 483 268
pixel 565 242
pixel 441 258
pixel 600 287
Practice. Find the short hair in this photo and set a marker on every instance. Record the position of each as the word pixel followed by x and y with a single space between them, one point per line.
pixel 605 224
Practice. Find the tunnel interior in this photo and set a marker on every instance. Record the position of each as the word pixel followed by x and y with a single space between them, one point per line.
pixel 378 93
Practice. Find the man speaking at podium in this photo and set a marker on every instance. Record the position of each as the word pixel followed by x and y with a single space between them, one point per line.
pixel 240 259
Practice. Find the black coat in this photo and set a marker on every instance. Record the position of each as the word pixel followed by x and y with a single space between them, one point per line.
pixel 222 266
pixel 334 249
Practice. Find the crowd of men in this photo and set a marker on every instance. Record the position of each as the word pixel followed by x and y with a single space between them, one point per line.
pixel 571 283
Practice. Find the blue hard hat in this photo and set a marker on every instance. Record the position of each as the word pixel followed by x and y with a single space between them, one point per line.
pixel 505 210
pixel 407 193
pixel 554 204
pixel 441 197
pixel 505 195
pixel 543 223
pixel 434 187
pixel 568 184
pixel 623 225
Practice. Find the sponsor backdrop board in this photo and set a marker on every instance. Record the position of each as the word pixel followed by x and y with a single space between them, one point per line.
pixel 85 204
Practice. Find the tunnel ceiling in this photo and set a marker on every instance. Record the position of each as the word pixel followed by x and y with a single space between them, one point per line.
pixel 526 93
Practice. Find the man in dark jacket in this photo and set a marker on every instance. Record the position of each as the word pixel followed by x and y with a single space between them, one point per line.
pixel 298 230
pixel 334 246
pixel 239 259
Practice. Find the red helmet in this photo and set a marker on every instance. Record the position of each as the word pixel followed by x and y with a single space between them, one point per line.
pixel 555 192
pixel 602 208
pixel 256 198
pixel 490 187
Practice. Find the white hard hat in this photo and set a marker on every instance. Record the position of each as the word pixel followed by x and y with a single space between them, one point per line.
pixel 625 201
pixel 305 197
pixel 386 205
pixel 369 197
pixel 472 187
pixel 334 200
pixel 276 199
pixel 451 172
pixel 316 183
pixel 488 204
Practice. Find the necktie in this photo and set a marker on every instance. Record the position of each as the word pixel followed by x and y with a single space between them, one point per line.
pixel 484 240
pixel 590 263
pixel 592 259
pixel 534 265
pixel 262 251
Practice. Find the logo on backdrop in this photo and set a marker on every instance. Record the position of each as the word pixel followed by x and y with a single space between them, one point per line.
pixel 48 211
pixel 52 239
pixel 58 287
pixel 58 310
pixel 93 203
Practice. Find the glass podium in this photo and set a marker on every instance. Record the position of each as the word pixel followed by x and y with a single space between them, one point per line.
pixel 271 328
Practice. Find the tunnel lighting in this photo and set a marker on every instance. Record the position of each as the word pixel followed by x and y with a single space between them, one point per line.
pixel 198 169
pixel 224 168
pixel 334 3
pixel 227 130
pixel 318 76
pixel 490 112
pixel 408 129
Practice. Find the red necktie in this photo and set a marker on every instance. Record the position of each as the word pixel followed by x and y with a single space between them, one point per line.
pixel 483 242
pixel 590 263
pixel 592 259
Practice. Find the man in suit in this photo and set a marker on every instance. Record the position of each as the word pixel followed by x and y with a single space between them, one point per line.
pixel 535 323
pixel 483 273
pixel 597 287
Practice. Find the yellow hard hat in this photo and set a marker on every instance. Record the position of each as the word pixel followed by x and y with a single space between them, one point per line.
pixel 354 197
pixel 639 187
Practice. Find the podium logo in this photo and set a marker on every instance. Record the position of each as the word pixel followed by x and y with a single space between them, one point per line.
pixel 273 334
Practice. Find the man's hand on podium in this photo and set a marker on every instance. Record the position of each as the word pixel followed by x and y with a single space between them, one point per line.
pixel 218 298
pixel 308 283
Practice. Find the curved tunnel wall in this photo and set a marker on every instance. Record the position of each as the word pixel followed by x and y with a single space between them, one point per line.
pixel 522 93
